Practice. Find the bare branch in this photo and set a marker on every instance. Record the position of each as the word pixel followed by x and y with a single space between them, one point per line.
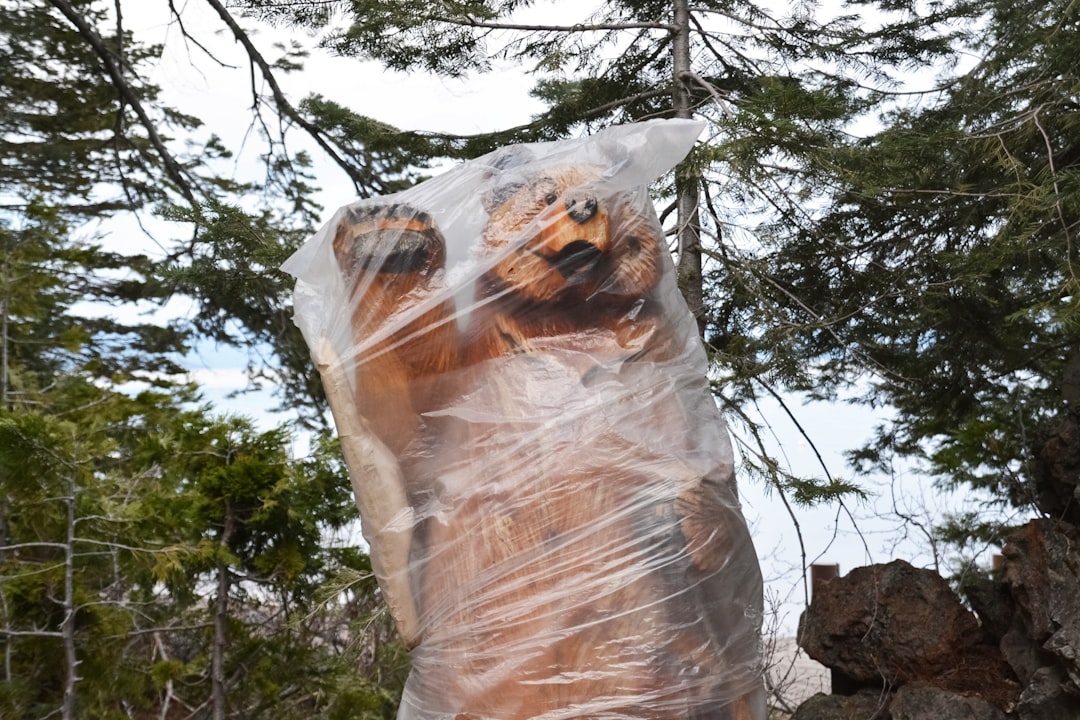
pixel 576 28
pixel 189 38
pixel 20 546
pixel 762 454
pixel 112 66
pixel 691 77
pixel 30 633
pixel 283 105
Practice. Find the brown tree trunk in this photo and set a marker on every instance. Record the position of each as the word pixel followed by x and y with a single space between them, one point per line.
pixel 688 218
pixel 5 299
pixel 221 622
pixel 67 628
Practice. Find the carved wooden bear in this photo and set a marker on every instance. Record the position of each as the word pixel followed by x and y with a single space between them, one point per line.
pixel 577 549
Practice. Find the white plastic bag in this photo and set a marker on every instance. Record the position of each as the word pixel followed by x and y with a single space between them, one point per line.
pixel 544 480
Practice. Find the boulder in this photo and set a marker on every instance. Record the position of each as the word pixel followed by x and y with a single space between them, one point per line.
pixel 1044 698
pixel 1055 448
pixel 864 705
pixel 990 599
pixel 925 702
pixel 1042 646
pixel 891 625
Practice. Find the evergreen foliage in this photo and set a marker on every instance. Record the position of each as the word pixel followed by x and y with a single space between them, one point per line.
pixel 156 558
pixel 781 90
pixel 924 266
pixel 941 267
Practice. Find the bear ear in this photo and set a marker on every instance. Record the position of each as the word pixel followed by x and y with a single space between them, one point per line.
pixel 501 190
pixel 501 176
pixel 509 157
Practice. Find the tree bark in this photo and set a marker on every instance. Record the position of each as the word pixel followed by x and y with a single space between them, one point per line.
pixel 67 628
pixel 221 621
pixel 8 650
pixel 688 217
pixel 5 300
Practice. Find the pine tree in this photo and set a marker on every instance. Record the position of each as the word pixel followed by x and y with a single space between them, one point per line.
pixel 113 470
pixel 123 499
pixel 779 90
pixel 942 271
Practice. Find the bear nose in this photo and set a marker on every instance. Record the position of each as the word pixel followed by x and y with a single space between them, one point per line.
pixel 581 206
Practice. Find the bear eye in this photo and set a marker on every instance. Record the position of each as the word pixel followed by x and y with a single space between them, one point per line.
pixel 548 190
pixel 501 194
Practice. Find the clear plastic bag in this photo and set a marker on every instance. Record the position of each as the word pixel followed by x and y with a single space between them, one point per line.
pixel 544 480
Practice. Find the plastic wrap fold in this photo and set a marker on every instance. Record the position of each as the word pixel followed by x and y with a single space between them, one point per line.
pixel 543 478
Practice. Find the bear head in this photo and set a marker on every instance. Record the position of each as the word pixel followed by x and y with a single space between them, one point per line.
pixel 560 233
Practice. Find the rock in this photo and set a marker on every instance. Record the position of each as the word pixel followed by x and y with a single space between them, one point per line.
pixel 924 702
pixel 992 603
pixel 1043 571
pixel 865 705
pixel 1056 467
pixel 1043 698
pixel 1043 644
pixel 1024 655
pixel 891 625
pixel 899 629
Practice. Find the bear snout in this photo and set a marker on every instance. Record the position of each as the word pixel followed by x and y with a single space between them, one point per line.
pixel 575 258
